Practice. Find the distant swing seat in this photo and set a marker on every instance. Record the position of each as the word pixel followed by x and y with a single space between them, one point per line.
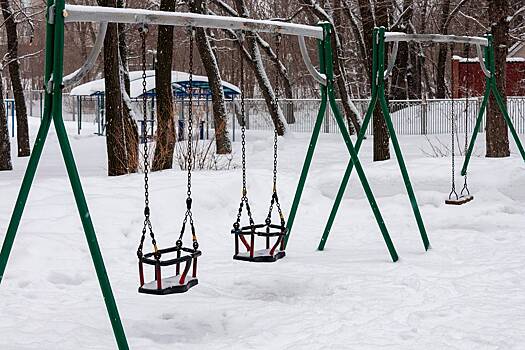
pixel 459 200
pixel 271 253
pixel 178 283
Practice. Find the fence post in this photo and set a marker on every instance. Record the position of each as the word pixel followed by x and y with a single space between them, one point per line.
pixel 12 103
pixel 233 125
pixel 31 103
pixel 327 120
pixel 424 110
pixel 41 108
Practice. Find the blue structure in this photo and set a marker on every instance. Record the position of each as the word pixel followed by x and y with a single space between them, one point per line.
pixel 180 82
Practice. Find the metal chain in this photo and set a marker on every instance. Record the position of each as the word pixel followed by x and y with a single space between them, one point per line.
pixel 147 221
pixel 275 198
pixel 453 189
pixel 244 197
pixel 465 184
pixel 188 215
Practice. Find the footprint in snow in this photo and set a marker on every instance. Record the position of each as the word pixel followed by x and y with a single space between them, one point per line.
pixel 59 278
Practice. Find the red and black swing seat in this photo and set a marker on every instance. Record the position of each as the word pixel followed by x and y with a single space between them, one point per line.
pixel 178 283
pixel 271 253
pixel 460 200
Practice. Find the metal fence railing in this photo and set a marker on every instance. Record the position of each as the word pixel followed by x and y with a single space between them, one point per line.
pixel 410 117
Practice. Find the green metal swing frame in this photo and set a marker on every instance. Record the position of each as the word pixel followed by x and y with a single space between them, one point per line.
pixel 54 67
pixel 379 95
pixel 328 100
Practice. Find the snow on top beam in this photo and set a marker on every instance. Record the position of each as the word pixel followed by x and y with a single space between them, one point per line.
pixel 79 13
pixel 435 38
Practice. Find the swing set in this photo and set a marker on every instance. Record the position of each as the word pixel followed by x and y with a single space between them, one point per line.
pixel 59 13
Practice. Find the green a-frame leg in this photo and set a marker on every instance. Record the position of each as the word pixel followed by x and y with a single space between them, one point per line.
pixel 378 94
pixel 490 86
pixel 53 112
pixel 328 98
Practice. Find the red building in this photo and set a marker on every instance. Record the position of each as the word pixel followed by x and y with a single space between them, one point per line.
pixel 467 74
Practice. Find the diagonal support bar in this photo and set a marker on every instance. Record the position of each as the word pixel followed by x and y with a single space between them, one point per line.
pixel 361 175
pixel 53 112
pixel 30 172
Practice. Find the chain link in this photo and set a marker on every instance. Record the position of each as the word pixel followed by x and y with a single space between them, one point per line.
pixel 453 152
pixel 188 216
pixel 275 198
pixel 465 184
pixel 244 196
pixel 147 212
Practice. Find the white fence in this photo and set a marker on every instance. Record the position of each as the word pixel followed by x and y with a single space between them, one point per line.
pixel 410 117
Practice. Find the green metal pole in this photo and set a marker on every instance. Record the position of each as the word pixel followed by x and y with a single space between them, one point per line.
pixel 395 142
pixel 360 138
pixel 351 149
pixel 311 148
pixel 477 126
pixel 504 111
pixel 74 179
pixel 35 155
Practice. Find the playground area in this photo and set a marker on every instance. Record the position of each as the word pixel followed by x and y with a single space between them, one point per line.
pixel 464 293
pixel 383 268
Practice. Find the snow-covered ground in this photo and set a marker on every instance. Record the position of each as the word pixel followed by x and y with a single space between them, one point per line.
pixel 467 292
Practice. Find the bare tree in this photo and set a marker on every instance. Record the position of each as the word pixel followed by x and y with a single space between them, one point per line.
pixel 249 48
pixel 497 138
pixel 14 72
pixel 351 113
pixel 5 146
pixel 210 64
pixel 121 131
pixel 166 137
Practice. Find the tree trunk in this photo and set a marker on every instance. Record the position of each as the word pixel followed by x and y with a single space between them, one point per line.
pixel 121 134
pixel 284 78
pixel 165 142
pixel 209 61
pixel 496 135
pixel 22 129
pixel 5 146
pixel 351 114
pixel 402 75
pixel 380 131
pixel 441 87
pixel 253 56
pixel 352 119
pixel 129 121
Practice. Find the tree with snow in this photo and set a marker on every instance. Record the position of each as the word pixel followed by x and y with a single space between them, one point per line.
pixel 121 130
pixel 22 127
pixel 5 145
pixel 166 136
pixel 496 136
pixel 209 61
